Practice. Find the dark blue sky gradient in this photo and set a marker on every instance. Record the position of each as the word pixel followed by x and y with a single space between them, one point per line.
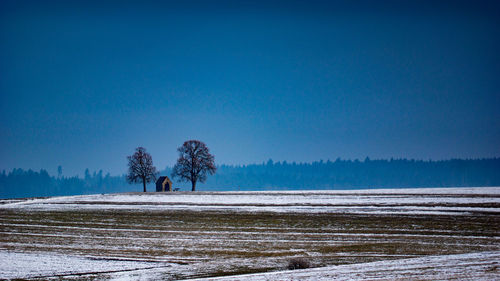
pixel 83 83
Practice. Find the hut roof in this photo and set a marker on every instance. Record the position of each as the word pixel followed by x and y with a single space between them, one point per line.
pixel 162 179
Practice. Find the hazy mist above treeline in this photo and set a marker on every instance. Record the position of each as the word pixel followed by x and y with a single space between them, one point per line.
pixel 338 174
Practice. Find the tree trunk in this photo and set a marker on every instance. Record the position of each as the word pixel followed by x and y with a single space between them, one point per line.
pixel 144 184
pixel 193 184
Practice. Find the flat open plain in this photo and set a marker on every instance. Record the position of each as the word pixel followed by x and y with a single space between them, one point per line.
pixel 451 231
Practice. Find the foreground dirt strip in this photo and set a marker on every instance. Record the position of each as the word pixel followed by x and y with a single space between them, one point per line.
pixel 474 266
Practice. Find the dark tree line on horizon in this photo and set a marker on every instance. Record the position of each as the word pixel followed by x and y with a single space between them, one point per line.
pixel 339 174
pixel 348 174
pixel 28 183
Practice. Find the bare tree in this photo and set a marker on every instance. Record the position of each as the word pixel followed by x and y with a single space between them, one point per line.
pixel 194 162
pixel 140 167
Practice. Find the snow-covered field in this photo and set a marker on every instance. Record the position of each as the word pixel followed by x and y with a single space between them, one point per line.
pixel 404 201
pixel 401 234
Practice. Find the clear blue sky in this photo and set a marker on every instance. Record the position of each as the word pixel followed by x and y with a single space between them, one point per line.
pixel 82 83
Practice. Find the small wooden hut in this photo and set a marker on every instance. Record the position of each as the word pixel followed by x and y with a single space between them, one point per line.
pixel 163 184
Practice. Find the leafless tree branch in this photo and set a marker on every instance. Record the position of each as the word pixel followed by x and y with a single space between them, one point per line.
pixel 140 167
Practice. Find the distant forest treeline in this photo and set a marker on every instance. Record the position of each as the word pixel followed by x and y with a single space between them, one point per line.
pixel 339 174
pixel 20 183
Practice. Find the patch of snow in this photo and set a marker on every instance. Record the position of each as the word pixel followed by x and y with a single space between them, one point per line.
pixel 44 265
